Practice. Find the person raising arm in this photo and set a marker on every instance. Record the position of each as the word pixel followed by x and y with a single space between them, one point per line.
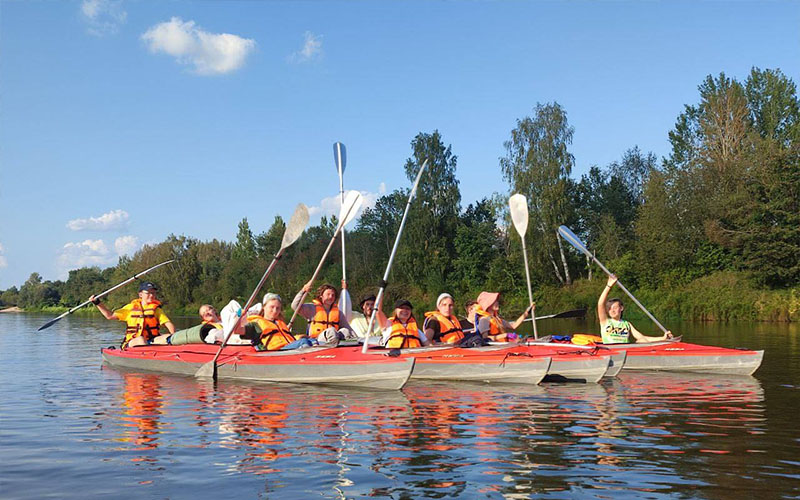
pixel 614 329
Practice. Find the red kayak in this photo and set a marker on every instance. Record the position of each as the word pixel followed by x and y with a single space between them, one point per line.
pixel 675 355
pixel 314 365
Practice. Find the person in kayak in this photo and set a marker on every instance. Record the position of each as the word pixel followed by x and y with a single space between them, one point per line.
pixel 360 320
pixel 441 325
pixel 467 322
pixel 325 323
pixel 614 329
pixel 490 324
pixel 268 330
pixel 143 317
pixel 401 330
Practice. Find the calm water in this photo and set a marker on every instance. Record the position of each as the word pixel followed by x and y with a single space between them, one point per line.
pixel 70 428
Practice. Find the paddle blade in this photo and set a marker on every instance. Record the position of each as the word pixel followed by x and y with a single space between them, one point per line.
pixel 340 157
pixel 48 324
pixel 296 226
pixel 352 202
pixel 346 305
pixel 573 240
pixel 575 313
pixel 518 206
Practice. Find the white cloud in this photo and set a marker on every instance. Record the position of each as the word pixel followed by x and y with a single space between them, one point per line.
pixel 208 53
pixel 114 220
pixel 84 254
pixel 312 49
pixel 103 16
pixel 126 245
pixel 333 204
pixel 3 260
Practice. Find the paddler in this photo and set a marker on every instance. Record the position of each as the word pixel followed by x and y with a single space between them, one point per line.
pixel 268 330
pixel 614 329
pixel 325 323
pixel 490 324
pixel 360 320
pixel 143 317
pixel 441 325
pixel 401 330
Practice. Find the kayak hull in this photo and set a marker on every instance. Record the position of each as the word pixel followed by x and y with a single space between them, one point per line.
pixel 577 368
pixel 685 357
pixel 318 365
pixel 497 366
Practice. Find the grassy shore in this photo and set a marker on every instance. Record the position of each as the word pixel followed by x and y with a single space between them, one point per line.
pixel 723 296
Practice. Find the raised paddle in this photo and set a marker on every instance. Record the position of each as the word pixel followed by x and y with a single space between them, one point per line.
pixel 103 294
pixel 293 231
pixel 345 304
pixel 384 281
pixel 518 206
pixel 575 313
pixel 350 205
pixel 573 240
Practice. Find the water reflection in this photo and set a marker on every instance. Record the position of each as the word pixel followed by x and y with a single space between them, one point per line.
pixel 141 411
pixel 456 439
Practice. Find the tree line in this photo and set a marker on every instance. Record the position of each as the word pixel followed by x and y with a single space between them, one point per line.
pixel 711 231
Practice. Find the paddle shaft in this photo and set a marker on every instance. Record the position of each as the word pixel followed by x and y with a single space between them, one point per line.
pixel 339 228
pixel 379 298
pixel 103 294
pixel 530 292
pixel 247 307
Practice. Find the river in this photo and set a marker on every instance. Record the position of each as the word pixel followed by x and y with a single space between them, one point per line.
pixel 72 428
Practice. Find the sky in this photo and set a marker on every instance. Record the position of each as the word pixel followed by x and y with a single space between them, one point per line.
pixel 122 122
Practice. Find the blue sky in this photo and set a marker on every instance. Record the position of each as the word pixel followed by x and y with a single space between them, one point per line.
pixel 122 122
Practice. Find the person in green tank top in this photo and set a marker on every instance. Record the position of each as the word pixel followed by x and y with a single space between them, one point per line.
pixel 614 329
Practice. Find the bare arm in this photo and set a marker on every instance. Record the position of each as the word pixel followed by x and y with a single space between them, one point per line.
pixel 602 315
pixel 642 338
pixel 519 320
pixel 106 312
pixel 170 327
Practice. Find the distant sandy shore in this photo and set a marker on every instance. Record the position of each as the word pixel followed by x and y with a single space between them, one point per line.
pixel 14 309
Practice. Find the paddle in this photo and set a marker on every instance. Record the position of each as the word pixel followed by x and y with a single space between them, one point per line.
pixel 573 240
pixel 293 231
pixel 384 281
pixel 518 206
pixel 103 294
pixel 350 207
pixel 575 313
pixel 345 304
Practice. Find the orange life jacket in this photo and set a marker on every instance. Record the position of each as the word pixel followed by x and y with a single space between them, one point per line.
pixel 142 321
pixel 323 319
pixel 450 330
pixel 403 336
pixel 495 324
pixel 274 334
pixel 215 325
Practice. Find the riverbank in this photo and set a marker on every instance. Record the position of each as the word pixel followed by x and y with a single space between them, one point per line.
pixel 722 296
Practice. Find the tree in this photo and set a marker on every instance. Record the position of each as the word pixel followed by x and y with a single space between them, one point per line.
pixel 475 248
pixel 538 164
pixel 427 256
